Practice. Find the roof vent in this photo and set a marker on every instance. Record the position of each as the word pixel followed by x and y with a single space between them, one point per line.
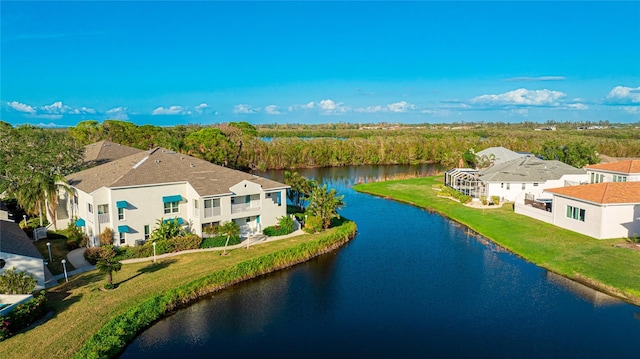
pixel 157 161
pixel 191 165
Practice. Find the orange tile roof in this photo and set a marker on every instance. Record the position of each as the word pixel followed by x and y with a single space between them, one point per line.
pixel 629 166
pixel 603 193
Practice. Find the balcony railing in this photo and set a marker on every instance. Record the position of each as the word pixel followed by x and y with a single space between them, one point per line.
pixel 103 218
pixel 244 207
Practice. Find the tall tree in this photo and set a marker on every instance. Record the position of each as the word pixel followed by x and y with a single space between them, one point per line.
pixel 325 204
pixel 301 188
pixel 209 144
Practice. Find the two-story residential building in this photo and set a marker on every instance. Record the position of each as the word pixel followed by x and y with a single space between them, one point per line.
pixel 622 171
pixel 131 194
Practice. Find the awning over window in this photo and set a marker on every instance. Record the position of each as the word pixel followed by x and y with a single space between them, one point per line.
pixel 180 221
pixel 124 229
pixel 174 198
pixel 80 222
pixel 122 204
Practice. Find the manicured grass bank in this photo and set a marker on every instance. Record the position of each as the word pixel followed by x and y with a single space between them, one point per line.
pixel 91 323
pixel 596 263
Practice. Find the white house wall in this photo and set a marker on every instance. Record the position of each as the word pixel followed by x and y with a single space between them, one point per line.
pixel 592 226
pixel 34 266
pixel 621 221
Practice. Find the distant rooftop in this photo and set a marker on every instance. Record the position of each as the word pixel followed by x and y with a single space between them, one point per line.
pixel 13 240
pixel 106 151
pixel 528 169
pixel 501 154
pixel 626 167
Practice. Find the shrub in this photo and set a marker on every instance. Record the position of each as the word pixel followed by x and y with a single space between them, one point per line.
pixel 23 316
pixel 313 224
pixel 484 201
pixel 106 237
pixel 219 241
pixel 188 241
pixel 285 226
pixel 92 254
pixel 495 200
pixel 13 281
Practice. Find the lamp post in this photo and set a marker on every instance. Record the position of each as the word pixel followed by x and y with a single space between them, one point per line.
pixel 64 266
pixel 49 248
pixel 154 252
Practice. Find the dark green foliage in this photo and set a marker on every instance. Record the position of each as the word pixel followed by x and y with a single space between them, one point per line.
pixel 313 224
pixel 166 229
pixel 188 241
pixel 113 336
pixel 576 154
pixel 23 316
pixel 108 263
pixel 219 241
pixel 285 226
pixel 325 203
pixel 13 281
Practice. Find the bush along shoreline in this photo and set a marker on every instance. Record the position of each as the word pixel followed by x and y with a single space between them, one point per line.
pixel 113 337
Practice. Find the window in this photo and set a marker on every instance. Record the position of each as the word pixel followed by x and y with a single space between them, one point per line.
pixel 508 185
pixel 523 185
pixel 617 178
pixel 122 238
pixel 146 231
pixel 576 213
pixel 196 210
pixel 121 214
pixel 103 208
pixel 171 207
pixel 535 185
pixel 90 207
pixel 212 207
pixel 597 178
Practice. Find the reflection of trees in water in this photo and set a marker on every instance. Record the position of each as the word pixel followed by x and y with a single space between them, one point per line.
pixel 350 175
pixel 598 299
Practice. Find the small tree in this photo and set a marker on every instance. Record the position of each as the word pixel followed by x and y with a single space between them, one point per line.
pixel 13 281
pixel 228 229
pixel 107 264
pixel 325 204
pixel 166 229
pixel 106 237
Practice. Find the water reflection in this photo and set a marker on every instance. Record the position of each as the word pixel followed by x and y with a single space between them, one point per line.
pixel 597 298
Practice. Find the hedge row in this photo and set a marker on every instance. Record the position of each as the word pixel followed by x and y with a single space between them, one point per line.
pixel 23 316
pixel 112 338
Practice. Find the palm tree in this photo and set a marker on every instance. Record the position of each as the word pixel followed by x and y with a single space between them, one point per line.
pixel 51 187
pixel 107 264
pixel 325 204
pixel 229 229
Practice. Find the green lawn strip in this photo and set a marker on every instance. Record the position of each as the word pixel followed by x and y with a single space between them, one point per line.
pixel 146 291
pixel 594 262
pixel 59 252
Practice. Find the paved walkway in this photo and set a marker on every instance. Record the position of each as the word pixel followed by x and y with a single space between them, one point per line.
pixel 76 257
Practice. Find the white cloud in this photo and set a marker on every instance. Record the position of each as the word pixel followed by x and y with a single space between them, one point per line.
pixel 539 78
pixel 402 106
pixel 622 95
pixel 329 106
pixel 201 107
pixel 632 109
pixel 371 109
pixel 272 110
pixel 59 108
pixel 21 107
pixel 244 108
pixel 306 106
pixel 118 113
pixel 577 106
pixel 522 96
pixel 171 110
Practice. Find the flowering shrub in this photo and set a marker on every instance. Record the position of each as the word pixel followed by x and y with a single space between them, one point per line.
pixel 23 316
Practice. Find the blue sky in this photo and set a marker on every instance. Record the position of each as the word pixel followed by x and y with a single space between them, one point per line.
pixel 167 63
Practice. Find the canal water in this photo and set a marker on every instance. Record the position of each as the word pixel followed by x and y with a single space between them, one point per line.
pixel 412 284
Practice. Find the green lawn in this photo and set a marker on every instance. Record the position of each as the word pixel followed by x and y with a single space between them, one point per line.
pixel 81 308
pixel 594 262
pixel 58 252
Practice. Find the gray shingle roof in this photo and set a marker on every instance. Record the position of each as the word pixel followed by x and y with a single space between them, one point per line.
pixel 164 166
pixel 501 154
pixel 106 151
pixel 14 240
pixel 528 169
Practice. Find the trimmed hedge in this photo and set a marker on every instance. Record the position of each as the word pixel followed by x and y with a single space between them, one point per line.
pixel 219 241
pixel 112 338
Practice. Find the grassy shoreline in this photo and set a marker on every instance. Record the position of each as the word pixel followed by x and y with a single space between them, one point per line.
pixel 596 263
pixel 89 322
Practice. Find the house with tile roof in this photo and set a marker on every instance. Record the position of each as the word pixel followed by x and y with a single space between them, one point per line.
pixel 131 194
pixel 622 171
pixel 601 210
pixel 17 251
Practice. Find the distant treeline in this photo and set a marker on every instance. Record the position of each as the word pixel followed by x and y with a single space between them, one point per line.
pixel 241 145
